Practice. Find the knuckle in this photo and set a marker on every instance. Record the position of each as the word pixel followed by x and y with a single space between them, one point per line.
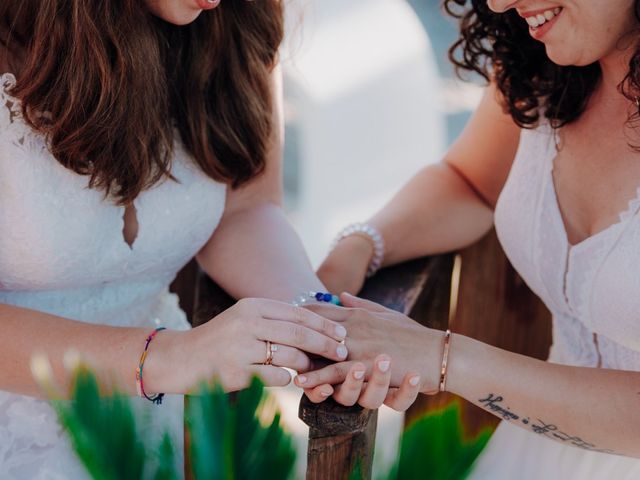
pixel 380 381
pixel 399 402
pixel 352 314
pixel 328 348
pixel 340 371
pixel 327 327
pixel 314 397
pixel 346 400
pixel 299 335
pixel 299 315
pixel 365 402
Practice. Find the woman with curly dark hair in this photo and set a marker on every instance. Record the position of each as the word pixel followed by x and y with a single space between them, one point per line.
pixel 551 155
pixel 134 135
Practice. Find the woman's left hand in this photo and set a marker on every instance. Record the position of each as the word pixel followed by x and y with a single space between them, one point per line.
pixel 376 334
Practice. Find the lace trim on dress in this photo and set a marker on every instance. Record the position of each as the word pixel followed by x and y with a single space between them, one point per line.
pixel 12 104
pixel 11 119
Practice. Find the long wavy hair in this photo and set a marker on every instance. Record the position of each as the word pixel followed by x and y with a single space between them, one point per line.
pixel 499 47
pixel 117 81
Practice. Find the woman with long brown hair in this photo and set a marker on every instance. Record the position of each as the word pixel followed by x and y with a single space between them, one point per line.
pixel 134 135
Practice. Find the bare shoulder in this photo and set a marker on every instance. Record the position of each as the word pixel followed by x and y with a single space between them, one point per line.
pixel 485 150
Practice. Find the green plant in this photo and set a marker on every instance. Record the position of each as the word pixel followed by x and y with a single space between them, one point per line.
pixel 234 437
pixel 253 442
pixel 230 438
pixel 433 447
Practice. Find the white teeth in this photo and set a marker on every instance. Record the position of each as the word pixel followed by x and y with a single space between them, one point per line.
pixel 540 19
pixel 532 21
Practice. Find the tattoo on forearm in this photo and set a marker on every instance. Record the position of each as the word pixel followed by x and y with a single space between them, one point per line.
pixel 493 403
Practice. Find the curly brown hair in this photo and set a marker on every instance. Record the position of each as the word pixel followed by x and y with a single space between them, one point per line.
pixel 117 80
pixel 498 46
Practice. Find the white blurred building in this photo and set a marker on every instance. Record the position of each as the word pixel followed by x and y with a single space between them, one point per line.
pixel 363 110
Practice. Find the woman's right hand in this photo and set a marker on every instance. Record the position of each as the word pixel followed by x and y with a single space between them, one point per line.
pixel 345 268
pixel 232 347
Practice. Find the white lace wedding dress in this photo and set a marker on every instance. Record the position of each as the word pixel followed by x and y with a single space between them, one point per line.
pixel 593 292
pixel 62 251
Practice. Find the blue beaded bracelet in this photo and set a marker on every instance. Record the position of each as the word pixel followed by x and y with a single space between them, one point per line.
pixel 310 297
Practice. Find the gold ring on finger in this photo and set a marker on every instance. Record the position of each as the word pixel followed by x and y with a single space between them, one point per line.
pixel 270 351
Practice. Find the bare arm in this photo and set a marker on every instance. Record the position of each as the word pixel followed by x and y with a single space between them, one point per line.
pixel 28 332
pixel 444 206
pixel 255 251
pixel 588 408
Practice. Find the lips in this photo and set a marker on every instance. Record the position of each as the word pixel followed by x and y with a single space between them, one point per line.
pixel 208 5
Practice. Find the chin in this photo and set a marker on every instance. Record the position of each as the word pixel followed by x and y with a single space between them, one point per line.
pixel 179 16
pixel 566 59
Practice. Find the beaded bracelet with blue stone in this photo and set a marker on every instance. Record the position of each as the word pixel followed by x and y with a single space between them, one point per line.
pixel 310 297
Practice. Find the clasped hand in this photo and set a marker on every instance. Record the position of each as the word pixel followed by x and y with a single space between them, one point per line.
pixel 380 355
pixel 391 357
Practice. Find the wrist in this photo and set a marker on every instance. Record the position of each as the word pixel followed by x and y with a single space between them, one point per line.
pixel 355 250
pixel 370 234
pixel 433 348
pixel 163 371
pixel 345 268
pixel 464 356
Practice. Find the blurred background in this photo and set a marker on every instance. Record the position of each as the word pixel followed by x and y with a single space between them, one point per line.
pixel 370 98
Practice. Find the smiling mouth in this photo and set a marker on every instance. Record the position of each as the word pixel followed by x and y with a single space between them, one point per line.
pixel 539 19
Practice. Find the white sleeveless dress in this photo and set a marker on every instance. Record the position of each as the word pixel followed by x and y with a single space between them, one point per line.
pixel 593 291
pixel 62 251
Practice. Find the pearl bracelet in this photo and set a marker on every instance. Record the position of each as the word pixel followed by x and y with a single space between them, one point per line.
pixel 373 236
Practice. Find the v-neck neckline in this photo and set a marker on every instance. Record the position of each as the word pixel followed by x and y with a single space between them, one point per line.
pixel 623 215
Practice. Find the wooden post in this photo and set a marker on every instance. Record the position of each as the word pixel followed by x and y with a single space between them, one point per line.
pixel 339 438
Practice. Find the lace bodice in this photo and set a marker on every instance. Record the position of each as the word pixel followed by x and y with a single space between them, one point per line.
pixel 591 288
pixel 62 251
pixel 61 244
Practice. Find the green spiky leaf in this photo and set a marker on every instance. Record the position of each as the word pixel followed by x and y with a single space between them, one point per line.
pixel 103 431
pixel 434 447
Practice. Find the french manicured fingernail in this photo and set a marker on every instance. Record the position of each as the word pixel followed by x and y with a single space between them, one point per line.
pixel 384 365
pixel 342 351
pixel 325 393
pixel 413 381
pixel 302 379
pixel 341 332
pixel 358 374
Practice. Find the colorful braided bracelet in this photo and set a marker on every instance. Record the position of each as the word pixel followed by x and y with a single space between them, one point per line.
pixel 155 398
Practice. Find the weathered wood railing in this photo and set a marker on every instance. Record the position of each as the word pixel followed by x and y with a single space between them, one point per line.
pixel 475 293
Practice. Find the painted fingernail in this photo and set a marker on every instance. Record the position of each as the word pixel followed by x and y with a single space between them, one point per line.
pixel 384 365
pixel 358 374
pixel 342 351
pixel 341 332
pixel 302 379
pixel 413 381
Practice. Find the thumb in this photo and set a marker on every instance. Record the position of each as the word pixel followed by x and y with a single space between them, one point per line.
pixel 351 301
